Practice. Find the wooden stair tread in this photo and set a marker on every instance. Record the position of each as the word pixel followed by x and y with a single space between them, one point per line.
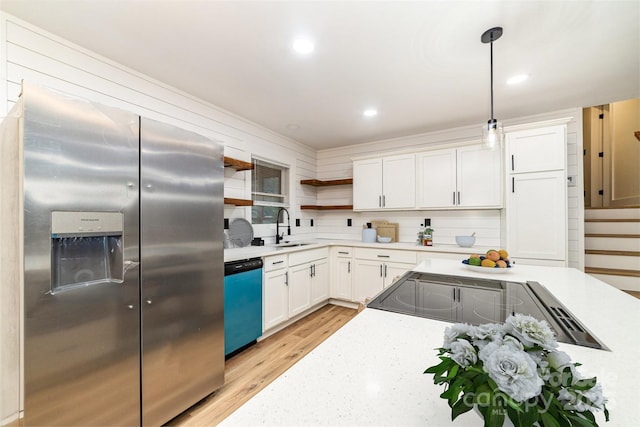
pixel 630 236
pixel 612 220
pixel 611 252
pixel 612 271
pixel 612 208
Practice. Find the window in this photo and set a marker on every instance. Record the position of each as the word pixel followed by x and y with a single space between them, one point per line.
pixel 269 191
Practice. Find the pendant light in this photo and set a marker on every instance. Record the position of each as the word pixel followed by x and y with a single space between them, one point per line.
pixel 492 133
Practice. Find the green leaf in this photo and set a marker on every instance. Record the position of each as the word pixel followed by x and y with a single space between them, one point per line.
pixel 452 372
pixel 441 367
pixel 548 420
pixel 495 416
pixel 459 408
pixel 580 421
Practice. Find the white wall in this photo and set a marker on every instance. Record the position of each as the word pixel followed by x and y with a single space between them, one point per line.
pixel 38 57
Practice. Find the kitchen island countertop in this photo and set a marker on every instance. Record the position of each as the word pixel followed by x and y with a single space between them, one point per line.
pixel 370 372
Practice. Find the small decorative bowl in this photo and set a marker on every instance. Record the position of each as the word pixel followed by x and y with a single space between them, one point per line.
pixel 465 241
pixel 382 239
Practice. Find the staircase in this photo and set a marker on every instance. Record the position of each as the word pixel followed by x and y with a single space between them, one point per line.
pixel 612 246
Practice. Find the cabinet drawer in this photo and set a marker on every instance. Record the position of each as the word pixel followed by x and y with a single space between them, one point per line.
pixel 275 262
pixel 343 251
pixel 386 255
pixel 301 257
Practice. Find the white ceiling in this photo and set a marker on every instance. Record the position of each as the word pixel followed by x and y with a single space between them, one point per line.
pixel 420 63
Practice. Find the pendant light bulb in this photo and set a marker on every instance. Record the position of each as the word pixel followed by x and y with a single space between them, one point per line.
pixel 492 134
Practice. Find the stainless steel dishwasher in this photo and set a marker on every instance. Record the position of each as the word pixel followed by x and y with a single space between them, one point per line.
pixel 242 304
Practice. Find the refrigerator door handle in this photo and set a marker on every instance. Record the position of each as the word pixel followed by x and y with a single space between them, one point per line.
pixel 128 265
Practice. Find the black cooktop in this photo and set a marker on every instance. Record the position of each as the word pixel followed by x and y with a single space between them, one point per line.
pixel 476 301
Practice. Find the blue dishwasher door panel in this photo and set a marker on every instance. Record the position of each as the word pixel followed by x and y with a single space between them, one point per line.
pixel 242 309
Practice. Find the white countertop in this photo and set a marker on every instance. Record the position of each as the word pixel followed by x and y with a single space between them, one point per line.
pixel 370 372
pixel 233 254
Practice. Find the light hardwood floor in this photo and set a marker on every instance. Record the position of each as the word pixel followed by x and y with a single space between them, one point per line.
pixel 253 369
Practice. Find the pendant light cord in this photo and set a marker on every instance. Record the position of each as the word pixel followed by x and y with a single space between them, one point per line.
pixel 491 45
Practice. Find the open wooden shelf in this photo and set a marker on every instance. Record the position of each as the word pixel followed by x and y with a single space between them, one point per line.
pixel 327 207
pixel 326 183
pixel 237 202
pixel 239 165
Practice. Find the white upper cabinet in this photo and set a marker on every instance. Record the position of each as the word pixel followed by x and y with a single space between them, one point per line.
pixel 464 177
pixel 384 183
pixel 536 150
pixel 437 178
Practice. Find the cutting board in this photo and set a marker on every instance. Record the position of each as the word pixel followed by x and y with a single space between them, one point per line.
pixel 388 230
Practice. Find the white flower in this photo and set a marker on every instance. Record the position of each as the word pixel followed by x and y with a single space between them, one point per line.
pixel 463 353
pixel 531 331
pixel 514 372
pixel 574 400
pixel 490 331
pixel 558 359
pixel 453 332
pixel 488 348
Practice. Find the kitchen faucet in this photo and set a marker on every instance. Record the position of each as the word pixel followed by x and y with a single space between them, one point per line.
pixel 278 238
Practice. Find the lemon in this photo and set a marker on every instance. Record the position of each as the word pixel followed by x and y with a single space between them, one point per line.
pixel 487 263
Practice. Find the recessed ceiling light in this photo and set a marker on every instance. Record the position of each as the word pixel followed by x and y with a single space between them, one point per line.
pixel 303 46
pixel 370 112
pixel 517 79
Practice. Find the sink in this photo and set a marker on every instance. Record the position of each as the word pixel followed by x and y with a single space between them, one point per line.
pixel 291 245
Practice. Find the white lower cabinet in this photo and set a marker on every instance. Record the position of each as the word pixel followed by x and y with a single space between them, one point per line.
pixel 376 269
pixel 294 283
pixel 342 264
pixel 275 292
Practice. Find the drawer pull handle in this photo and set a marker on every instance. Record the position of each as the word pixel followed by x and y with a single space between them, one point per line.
pixel 277 262
pixel 343 253
pixel 383 256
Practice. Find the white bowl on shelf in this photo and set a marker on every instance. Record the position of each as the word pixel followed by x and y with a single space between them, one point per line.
pixel 465 241
pixel 382 239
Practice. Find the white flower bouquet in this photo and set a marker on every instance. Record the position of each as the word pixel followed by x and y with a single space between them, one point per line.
pixel 515 370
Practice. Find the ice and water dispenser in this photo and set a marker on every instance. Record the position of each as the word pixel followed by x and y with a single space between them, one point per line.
pixel 86 249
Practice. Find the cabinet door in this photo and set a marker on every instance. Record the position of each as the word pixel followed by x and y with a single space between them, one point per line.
pixel 367 184
pixel 393 271
pixel 535 150
pixel 436 301
pixel 320 282
pixel 342 280
pixel 480 305
pixel 537 216
pixel 437 179
pixel 479 177
pixel 368 279
pixel 276 298
pixel 299 288
pixel 399 182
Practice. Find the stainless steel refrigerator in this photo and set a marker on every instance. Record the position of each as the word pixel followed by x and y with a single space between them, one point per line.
pixel 120 222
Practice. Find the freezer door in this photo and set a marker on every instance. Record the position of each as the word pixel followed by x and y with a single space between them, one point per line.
pixel 181 270
pixel 81 343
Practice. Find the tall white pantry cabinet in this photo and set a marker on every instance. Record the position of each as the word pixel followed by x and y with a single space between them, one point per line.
pixel 536 195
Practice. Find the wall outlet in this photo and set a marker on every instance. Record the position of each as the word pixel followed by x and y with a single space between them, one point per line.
pixel 312 222
pixel 427 222
pixel 226 223
pixel 349 223
pixel 297 222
